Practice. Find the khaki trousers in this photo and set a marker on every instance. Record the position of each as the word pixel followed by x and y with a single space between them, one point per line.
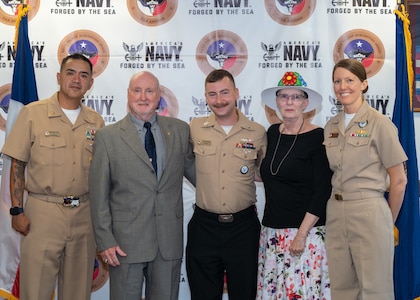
pixel 60 245
pixel 360 249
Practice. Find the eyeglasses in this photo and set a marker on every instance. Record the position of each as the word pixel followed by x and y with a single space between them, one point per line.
pixel 294 97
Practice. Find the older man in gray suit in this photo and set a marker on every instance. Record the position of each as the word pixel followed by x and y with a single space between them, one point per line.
pixel 136 195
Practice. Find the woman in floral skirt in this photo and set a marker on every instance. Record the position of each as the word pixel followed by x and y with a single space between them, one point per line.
pixel 292 262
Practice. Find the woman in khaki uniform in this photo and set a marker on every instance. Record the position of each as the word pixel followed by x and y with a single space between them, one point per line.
pixel 363 150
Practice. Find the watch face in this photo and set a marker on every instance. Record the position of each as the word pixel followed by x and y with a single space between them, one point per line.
pixel 14 211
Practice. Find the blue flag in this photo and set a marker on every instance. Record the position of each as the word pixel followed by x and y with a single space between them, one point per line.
pixel 407 252
pixel 24 85
pixel 24 91
pixel 24 88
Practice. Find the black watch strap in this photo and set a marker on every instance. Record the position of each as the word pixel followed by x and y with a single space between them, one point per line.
pixel 14 211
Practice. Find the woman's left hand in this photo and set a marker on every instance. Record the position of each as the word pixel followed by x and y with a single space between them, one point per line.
pixel 298 245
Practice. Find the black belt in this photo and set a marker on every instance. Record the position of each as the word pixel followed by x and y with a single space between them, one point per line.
pixel 225 218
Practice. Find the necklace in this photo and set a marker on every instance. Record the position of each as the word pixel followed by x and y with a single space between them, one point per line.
pixel 287 153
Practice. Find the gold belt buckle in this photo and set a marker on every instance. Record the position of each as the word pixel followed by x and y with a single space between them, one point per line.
pixel 338 197
pixel 225 218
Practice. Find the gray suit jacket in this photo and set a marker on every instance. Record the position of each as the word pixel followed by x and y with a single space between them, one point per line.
pixel 129 207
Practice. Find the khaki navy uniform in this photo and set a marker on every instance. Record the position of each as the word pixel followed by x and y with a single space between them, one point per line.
pixel 60 240
pixel 359 227
pixel 224 230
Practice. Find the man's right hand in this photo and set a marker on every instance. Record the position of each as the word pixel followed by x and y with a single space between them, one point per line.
pixel 109 256
pixel 21 223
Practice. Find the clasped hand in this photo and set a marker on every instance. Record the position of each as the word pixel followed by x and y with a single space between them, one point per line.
pixel 21 223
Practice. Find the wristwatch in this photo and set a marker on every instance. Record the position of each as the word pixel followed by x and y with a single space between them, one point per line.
pixel 14 211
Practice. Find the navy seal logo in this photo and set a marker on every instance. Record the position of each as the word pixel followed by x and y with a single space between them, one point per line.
pixel 221 49
pixel 337 106
pixel 133 51
pixel 290 12
pixel 88 43
pixel 201 108
pixel 201 3
pixel 362 45
pixel 271 51
pixel 63 3
pixel 152 12
pixel 8 10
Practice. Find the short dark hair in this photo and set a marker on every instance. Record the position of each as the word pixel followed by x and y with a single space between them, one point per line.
pixel 76 56
pixel 217 75
pixel 355 67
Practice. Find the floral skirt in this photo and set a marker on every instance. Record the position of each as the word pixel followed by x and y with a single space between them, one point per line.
pixel 282 276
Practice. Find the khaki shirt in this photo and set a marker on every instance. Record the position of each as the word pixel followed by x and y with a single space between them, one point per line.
pixel 226 163
pixel 360 155
pixel 57 152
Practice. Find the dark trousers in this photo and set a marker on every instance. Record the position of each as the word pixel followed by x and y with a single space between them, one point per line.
pixel 216 245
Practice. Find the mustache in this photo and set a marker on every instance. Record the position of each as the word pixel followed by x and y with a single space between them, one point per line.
pixel 222 104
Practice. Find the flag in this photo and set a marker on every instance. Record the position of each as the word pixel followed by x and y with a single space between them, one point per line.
pixel 407 252
pixel 24 91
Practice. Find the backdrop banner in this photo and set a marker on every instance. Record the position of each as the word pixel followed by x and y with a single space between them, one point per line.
pixel 182 41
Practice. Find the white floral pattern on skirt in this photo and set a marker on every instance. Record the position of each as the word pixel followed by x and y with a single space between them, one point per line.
pixel 286 277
